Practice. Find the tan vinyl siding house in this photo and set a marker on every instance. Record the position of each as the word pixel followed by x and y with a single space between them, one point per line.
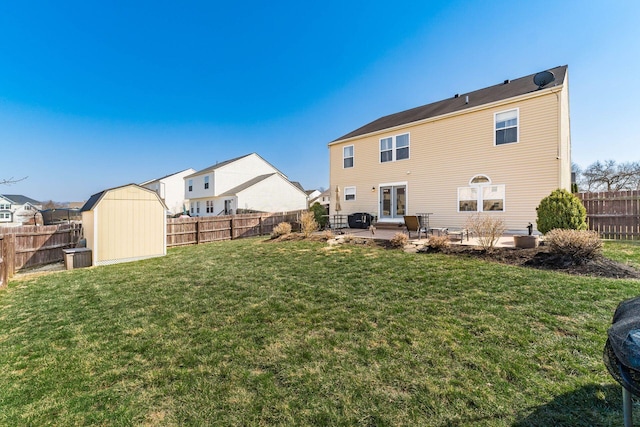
pixel 125 224
pixel 444 157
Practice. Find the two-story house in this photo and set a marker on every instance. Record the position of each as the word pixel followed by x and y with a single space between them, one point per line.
pixel 170 188
pixel 16 209
pixel 323 198
pixel 497 150
pixel 244 184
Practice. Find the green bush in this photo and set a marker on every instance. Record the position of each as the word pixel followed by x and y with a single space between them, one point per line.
pixel 319 213
pixel 563 210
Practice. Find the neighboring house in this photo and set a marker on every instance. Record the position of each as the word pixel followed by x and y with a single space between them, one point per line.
pixel 323 198
pixel 244 184
pixel 497 150
pixel 312 196
pixel 17 209
pixel 170 188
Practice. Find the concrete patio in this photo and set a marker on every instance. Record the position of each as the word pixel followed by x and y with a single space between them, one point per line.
pixel 505 240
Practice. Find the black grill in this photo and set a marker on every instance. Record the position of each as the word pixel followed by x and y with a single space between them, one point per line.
pixel 622 352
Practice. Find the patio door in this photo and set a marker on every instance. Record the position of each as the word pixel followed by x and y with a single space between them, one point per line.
pixel 393 201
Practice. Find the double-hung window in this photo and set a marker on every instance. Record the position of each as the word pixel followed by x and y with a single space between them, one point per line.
pixel 4 206
pixel 190 185
pixel 349 193
pixel 206 182
pixel 347 157
pixel 394 148
pixel 209 206
pixel 506 127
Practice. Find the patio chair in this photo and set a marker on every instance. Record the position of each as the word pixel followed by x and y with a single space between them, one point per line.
pixel 412 223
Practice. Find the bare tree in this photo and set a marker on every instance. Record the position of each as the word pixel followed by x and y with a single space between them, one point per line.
pixel 11 181
pixel 610 176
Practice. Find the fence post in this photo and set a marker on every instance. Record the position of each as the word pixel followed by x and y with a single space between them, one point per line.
pixel 3 269
pixel 9 251
pixel 198 231
pixel 260 225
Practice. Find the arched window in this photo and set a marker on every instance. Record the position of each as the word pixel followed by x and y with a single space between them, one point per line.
pixel 480 179
pixel 481 196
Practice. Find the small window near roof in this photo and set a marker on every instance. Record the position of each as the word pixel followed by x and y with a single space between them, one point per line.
pixel 386 150
pixel 394 148
pixel 402 146
pixel 506 127
pixel 347 156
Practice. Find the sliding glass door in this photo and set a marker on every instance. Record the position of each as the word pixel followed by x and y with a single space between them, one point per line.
pixel 393 201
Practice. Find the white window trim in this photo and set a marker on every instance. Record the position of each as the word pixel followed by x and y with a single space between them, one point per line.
pixel 480 200
pixel 190 185
pixel 344 197
pixel 206 182
pixel 495 116
pixel 394 147
pixel 353 156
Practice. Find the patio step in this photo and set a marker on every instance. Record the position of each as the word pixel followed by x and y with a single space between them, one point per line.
pixel 389 226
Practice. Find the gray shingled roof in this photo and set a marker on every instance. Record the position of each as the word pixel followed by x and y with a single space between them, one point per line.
pixel 163 177
pixel 508 89
pixel 226 162
pixel 216 166
pixel 19 199
pixel 247 184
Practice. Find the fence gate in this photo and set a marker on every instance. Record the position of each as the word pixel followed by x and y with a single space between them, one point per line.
pixel 613 214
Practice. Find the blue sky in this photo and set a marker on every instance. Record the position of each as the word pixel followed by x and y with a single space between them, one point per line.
pixel 93 95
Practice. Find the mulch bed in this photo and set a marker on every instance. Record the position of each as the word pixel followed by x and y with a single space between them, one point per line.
pixel 541 258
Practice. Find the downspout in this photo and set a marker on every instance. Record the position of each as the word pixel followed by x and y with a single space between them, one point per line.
pixel 559 141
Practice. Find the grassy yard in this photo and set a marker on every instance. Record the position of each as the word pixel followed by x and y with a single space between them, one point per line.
pixel 248 333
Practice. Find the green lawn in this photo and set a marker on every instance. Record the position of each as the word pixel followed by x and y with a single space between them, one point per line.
pixel 248 333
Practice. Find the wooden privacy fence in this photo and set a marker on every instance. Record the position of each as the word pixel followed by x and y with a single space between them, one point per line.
pixel 193 231
pixel 613 214
pixel 30 246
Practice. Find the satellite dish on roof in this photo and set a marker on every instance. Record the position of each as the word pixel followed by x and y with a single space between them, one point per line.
pixel 543 78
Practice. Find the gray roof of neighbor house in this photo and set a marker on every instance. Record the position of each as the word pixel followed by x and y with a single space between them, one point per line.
pixel 163 177
pixel 19 199
pixel 505 90
pixel 245 185
pixel 226 162
pixel 297 184
pixel 254 181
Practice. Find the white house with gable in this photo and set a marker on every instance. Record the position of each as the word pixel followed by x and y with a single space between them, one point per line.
pixel 244 184
pixel 170 188
pixel 16 209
